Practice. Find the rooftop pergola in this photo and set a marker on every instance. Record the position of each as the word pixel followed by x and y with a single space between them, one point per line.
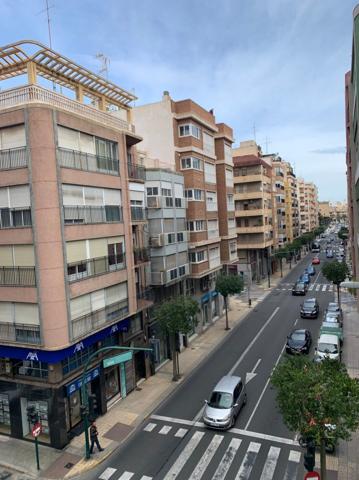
pixel 19 58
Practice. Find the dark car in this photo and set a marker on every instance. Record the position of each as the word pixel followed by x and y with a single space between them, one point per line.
pixel 299 288
pixel 311 270
pixel 310 308
pixel 299 341
pixel 305 278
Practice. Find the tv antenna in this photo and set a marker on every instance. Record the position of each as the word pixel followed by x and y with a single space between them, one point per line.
pixel 105 63
pixel 267 142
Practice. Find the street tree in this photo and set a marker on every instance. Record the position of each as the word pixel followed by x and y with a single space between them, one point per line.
pixel 336 272
pixel 177 315
pixel 281 253
pixel 228 285
pixel 343 233
pixel 318 400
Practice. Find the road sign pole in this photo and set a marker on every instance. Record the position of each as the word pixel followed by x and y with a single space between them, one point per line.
pixel 37 453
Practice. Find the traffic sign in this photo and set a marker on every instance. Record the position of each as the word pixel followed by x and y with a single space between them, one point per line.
pixel 313 475
pixel 36 430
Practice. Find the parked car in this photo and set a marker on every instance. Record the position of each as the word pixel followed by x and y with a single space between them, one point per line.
pixel 299 288
pixel 328 347
pixel 330 254
pixel 316 261
pixel 315 247
pixel 311 270
pixel 332 328
pixel 299 341
pixel 305 278
pixel 334 307
pixel 223 407
pixel 310 308
pixel 333 317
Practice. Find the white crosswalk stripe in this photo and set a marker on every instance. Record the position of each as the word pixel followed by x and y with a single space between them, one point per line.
pixel 126 476
pixel 145 477
pixel 165 429
pixel 271 463
pixel 149 427
pixel 184 456
pixel 227 459
pixel 248 461
pixel 330 288
pixel 317 288
pixel 324 288
pixel 292 467
pixel 311 287
pixel 181 432
pixel 206 458
pixel 107 473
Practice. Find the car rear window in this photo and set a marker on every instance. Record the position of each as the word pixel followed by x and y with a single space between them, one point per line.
pixel 220 400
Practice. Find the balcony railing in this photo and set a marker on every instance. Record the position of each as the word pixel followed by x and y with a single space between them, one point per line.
pixel 13 158
pixel 91 321
pixel 77 271
pixel 77 214
pixel 141 255
pixel 15 217
pixel 20 332
pixel 138 214
pixel 87 161
pixel 35 94
pixel 17 276
pixel 136 171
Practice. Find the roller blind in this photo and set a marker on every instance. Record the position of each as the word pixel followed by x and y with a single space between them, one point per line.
pixel 209 173
pixel 178 190
pixel 68 138
pixel 20 196
pixel 116 293
pixel 6 312
pixel 157 264
pixel 27 313
pixel 155 226
pixel 93 196
pixel 137 196
pixel 98 247
pixel 168 225
pixel 72 194
pixel 4 200
pixel 87 143
pixel 167 185
pixel 24 256
pixel 76 251
pixel 97 300
pixel 80 306
pixel 12 137
pixel 181 224
pixel 112 197
pixel 171 261
pixel 6 258
pixel 182 258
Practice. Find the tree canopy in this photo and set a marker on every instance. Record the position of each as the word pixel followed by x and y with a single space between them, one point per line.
pixel 178 314
pixel 229 284
pixel 343 233
pixel 335 272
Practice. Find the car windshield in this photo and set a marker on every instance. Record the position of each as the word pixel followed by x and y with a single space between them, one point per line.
pixel 333 307
pixel 220 400
pixel 299 285
pixel 309 304
pixel 330 318
pixel 331 325
pixel 298 336
pixel 327 348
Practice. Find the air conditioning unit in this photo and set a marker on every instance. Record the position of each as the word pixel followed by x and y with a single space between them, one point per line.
pixel 156 240
pixel 153 202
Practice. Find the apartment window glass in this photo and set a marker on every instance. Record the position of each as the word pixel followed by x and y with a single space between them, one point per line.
pixel 209 173
pixel 231 223
pixel 212 228
pixel 166 192
pixel 180 237
pixel 198 257
pixel 196 225
pixel 228 154
pixel 211 200
pixel 230 202
pixel 213 253
pixel 208 144
pixel 182 270
pixel 191 162
pixel 152 191
pixel 229 177
pixel 173 273
pixel 189 130
pixel 171 238
pixel 194 194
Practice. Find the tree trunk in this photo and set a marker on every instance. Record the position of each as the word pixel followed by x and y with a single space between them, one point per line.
pixel 338 290
pixel 323 460
pixel 281 267
pixel 226 307
pixel 174 357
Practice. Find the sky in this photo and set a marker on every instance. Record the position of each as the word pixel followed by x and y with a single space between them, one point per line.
pixel 271 69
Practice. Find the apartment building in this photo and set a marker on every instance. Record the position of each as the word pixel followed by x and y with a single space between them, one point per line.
pixel 184 136
pixel 292 203
pixel 253 209
pixel 308 206
pixel 72 252
pixel 333 210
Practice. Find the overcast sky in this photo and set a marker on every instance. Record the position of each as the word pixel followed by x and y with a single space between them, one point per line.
pixel 275 64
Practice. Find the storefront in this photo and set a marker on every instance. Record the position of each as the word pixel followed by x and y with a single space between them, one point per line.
pixel 214 305
pixel 206 308
pixel 159 342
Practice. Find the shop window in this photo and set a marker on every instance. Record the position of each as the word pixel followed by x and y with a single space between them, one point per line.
pixel 4 412
pixel 32 368
pixel 76 360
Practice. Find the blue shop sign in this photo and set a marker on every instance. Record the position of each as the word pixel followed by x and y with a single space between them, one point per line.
pixel 205 297
pixel 214 293
pixel 77 384
pixel 56 356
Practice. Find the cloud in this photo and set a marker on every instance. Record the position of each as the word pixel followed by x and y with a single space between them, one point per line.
pixel 329 150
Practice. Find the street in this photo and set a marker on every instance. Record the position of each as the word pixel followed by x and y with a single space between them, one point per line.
pixel 173 442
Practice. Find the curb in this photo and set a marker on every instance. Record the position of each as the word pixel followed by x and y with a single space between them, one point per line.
pixel 85 465
pixel 17 469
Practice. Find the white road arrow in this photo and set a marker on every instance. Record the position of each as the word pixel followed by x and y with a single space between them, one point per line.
pixel 251 375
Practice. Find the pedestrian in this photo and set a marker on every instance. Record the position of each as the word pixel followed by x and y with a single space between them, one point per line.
pixel 94 438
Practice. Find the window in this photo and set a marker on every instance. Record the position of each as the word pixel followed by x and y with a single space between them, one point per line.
pixel 166 192
pixel 191 162
pixel 230 202
pixel 233 247
pixel 229 177
pixel 189 130
pixel 178 202
pixel 208 144
pixel 169 201
pixel 198 257
pixel 115 254
pixel 171 238
pixel 180 237
pixel 211 200
pixel 231 223
pixel 78 359
pixel 209 173
pixel 182 270
pixel 194 194
pixel 228 154
pixel 195 225
pixel 173 274
pixel 32 368
pixel 75 272
pixel 152 191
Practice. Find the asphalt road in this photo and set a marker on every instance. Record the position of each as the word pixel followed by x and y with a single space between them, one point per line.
pixel 174 443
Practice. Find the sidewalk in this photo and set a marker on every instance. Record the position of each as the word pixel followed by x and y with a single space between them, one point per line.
pixel 124 416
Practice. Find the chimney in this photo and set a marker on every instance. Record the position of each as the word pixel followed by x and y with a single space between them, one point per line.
pixel 211 111
pixel 166 95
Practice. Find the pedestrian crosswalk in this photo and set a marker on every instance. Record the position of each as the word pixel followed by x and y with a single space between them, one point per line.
pixel 318 287
pixel 202 454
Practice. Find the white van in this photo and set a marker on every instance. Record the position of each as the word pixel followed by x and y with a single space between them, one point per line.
pixel 328 346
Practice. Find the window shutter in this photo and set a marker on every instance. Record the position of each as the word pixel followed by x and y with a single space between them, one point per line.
pixel 80 306
pixel 20 196
pixel 6 259
pixel 24 256
pixel 27 313
pixel 112 196
pixel 68 138
pixel 76 251
pixel 6 312
pixel 12 137
pixel 72 194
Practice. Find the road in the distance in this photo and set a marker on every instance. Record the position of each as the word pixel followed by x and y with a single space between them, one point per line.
pixel 171 445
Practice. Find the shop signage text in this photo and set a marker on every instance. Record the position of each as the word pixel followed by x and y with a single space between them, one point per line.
pixel 123 357
pixel 77 384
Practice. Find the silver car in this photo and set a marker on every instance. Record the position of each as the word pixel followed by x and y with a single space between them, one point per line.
pixel 227 398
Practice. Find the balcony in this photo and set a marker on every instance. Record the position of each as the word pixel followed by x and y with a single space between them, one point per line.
pixel 81 326
pixel 214 262
pixel 20 332
pixel 86 161
pixel 167 276
pixel 252 229
pixel 17 277
pixel 15 217
pixel 136 171
pixel 77 214
pixel 77 271
pixel 248 195
pixel 138 214
pixel 141 255
pixel 249 178
pixel 33 94
pixel 13 158
pixel 213 233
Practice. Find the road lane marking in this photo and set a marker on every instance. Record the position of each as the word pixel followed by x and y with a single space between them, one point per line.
pixel 145 477
pixel 149 427
pixel 292 467
pixel 250 375
pixel 126 476
pixel 294 456
pixel 263 391
pixel 106 474
pixel 330 288
pixel 315 281
pixel 181 432
pixel 248 461
pixel 235 431
pixel 324 288
pixel 317 288
pixel 271 463
pixel 311 287
pixel 176 468
pixel 296 321
pixel 165 429
pixel 227 459
pixel 206 458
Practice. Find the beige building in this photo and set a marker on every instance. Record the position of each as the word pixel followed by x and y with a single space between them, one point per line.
pixel 308 205
pixel 333 210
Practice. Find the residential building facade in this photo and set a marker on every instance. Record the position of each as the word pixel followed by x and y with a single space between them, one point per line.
pixel 308 206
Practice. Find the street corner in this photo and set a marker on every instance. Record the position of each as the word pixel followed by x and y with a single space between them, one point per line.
pixel 85 465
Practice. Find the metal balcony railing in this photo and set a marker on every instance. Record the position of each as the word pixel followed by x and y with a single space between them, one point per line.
pixel 13 158
pixel 15 217
pixel 87 161
pixel 87 323
pixel 17 276
pixel 136 171
pixel 138 213
pixel 76 214
pixel 77 271
pixel 20 332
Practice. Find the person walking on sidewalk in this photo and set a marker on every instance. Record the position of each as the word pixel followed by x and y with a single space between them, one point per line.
pixel 94 438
